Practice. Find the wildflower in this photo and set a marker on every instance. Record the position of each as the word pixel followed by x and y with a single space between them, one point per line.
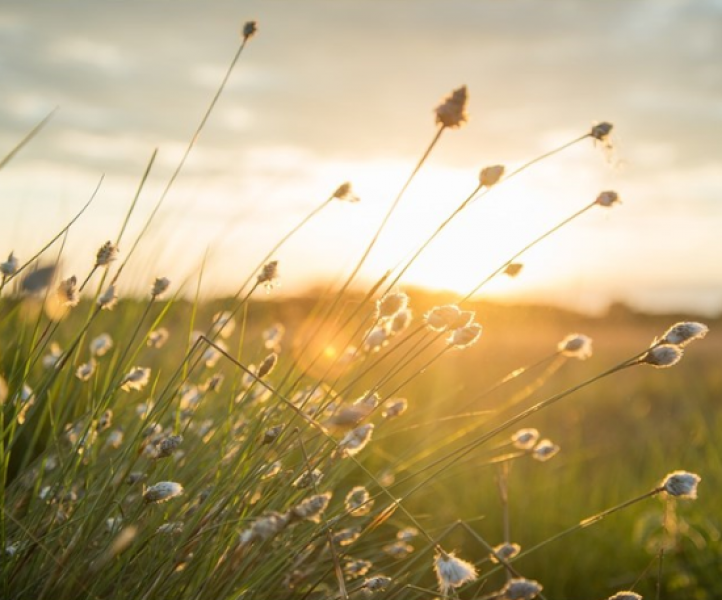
pixel 406 534
pixel 601 131
pixel 452 111
pixel 268 275
pixel 376 338
pixel 440 317
pixel 136 379
pixel 376 584
pixel 168 445
pixel 273 335
pixel 67 292
pixel 400 322
pixel 312 507
pixel 162 491
pixel 345 193
pixel 157 338
pixel 394 408
pixel 358 501
pixel 682 334
pixel 525 439
pixel 390 304
pixel 160 287
pixel 51 359
pixel 464 336
pixel 513 269
pixel 357 568
pixel 107 254
pixel 607 199
pixel 86 370
pixel 520 589
pixel 267 365
pixel 308 479
pixel 101 345
pixel 10 266
pixel 264 528
pixel 355 441
pixel 398 550
pixel 576 345
pixel 490 176
pixel 108 299
pixel 270 435
pixel 545 450
pixel 662 356
pixel 504 552
pixel 250 28
pixel 172 528
pixel 681 484
pixel 625 595
pixel 346 537
pixel 452 572
pixel 223 324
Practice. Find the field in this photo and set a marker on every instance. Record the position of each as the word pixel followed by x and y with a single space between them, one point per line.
pixel 354 441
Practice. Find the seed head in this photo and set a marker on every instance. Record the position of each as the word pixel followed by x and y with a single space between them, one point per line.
pixel 394 408
pixel 108 299
pixel 607 199
pixel 601 131
pixel 504 551
pixel 162 492
pixel 520 589
pixel 270 435
pixel 576 345
pixel 390 304
pixel 407 534
pixel 376 584
pixel 10 266
pixel 51 359
pixel 249 30
pixel 625 596
pixel 107 254
pixel 452 111
pixel 158 337
pixel 490 176
pixel 168 445
pixel 101 345
pixel 662 356
pixel 223 324
pixel 357 568
pixel 355 440
pixel 376 338
pixel 68 294
pixel 264 528
pixel 346 537
pixel 682 334
pixel 398 549
pixel 400 322
pixel 172 528
pixel 525 439
pixel 269 275
pixel 358 501
pixel 105 421
pixel 86 370
pixel 345 193
pixel 267 365
pixel 160 286
pixel 545 450
pixel 440 318
pixel 136 379
pixel 312 507
pixel 452 572
pixel 464 336
pixel 513 269
pixel 308 479
pixel 681 484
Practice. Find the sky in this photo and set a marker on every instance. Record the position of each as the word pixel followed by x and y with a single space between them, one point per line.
pixel 334 91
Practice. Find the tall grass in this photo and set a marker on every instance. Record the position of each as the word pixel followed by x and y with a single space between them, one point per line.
pixel 153 448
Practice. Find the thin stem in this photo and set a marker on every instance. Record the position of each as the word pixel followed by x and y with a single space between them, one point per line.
pixel 31 134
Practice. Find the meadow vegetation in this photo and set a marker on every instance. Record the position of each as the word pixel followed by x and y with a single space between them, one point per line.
pixel 353 442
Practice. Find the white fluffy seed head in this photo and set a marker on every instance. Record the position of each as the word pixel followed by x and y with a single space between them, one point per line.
pixel 312 508
pixel 136 379
pixel 160 287
pixel 356 440
pixel 545 450
pixel 107 253
pixel 358 501
pixel 101 345
pixel 504 551
pixel 440 318
pixel 525 439
pixel 684 333
pixel 390 304
pixel 10 266
pixel 108 299
pixel 464 336
pixel 67 292
pixel 681 484
pixel 662 356
pixel 162 492
pixel 576 345
pixel 625 595
pixel 520 589
pixel 452 572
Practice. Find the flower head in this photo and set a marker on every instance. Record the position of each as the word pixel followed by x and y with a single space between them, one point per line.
pixel 513 269
pixel 391 304
pixel 440 318
pixel 452 111
pixel 525 439
pixel 10 266
pixel 356 439
pixel 268 276
pixel 625 595
pixel 311 508
pixel 108 299
pixel 682 334
pixel 601 131
pixel 662 356
pixel 249 29
pixel 464 336
pixel 344 192
pixel 607 199
pixel 136 379
pixel 52 358
pixel 504 551
pixel 158 337
pixel 681 484
pixel 452 572
pixel 576 345
pixel 520 589
pixel 545 450
pixel 86 370
pixel 376 584
pixel 101 345
pixel 68 294
pixel 107 254
pixel 490 176
pixel 395 407
pixel 267 365
pixel 358 501
pixel 162 491
pixel 160 286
